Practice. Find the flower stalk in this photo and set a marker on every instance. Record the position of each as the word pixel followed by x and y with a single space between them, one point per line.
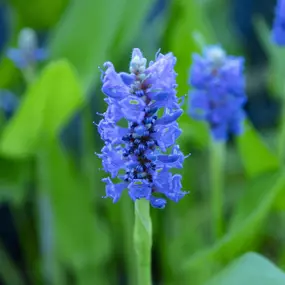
pixel 143 241
pixel 217 155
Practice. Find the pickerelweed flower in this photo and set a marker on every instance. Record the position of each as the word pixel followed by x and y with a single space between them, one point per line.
pixel 278 31
pixel 142 153
pixel 219 92
pixel 28 53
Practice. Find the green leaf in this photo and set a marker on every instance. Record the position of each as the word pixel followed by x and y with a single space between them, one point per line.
pixel 39 13
pixel 251 268
pixel 87 41
pixel 46 107
pixel 135 13
pixel 255 155
pixel 13 176
pixel 240 237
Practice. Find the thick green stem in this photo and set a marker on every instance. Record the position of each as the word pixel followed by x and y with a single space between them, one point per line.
pixel 217 155
pixel 143 241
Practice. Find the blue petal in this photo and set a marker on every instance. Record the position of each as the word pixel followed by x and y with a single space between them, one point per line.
pixel 127 78
pixel 169 118
pixel 132 108
pixel 139 189
pixel 113 191
pixel 17 57
pixel 158 203
pixel 168 158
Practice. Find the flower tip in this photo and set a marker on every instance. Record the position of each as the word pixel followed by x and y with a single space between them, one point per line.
pixel 137 53
pixel 215 54
pixel 108 64
pixel 138 62
pixel 27 39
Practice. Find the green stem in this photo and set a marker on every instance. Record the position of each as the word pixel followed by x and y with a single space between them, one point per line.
pixel 143 241
pixel 126 213
pixel 217 153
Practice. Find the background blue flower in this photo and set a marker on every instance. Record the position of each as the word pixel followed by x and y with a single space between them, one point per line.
pixel 219 92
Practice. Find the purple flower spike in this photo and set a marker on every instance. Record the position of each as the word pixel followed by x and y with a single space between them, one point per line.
pixel 278 31
pixel 142 154
pixel 28 53
pixel 218 95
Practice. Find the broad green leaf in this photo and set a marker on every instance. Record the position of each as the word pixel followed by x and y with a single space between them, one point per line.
pixel 251 268
pixel 240 237
pixel 39 13
pixel 46 107
pixel 255 155
pixel 88 30
pixel 135 13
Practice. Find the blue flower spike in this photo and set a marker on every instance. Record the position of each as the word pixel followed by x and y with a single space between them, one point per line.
pixel 142 154
pixel 218 93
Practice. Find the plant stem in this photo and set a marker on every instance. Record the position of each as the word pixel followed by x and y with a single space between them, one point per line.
pixel 143 241
pixel 217 154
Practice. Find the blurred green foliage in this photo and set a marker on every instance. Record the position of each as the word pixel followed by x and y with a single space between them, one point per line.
pixel 79 238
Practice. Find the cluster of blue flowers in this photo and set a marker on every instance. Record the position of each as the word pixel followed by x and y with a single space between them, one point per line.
pixel 278 31
pixel 28 53
pixel 219 92
pixel 142 153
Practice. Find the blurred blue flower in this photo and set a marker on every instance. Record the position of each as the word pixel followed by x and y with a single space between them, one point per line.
pixel 278 31
pixel 8 103
pixel 218 95
pixel 28 53
pixel 142 153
